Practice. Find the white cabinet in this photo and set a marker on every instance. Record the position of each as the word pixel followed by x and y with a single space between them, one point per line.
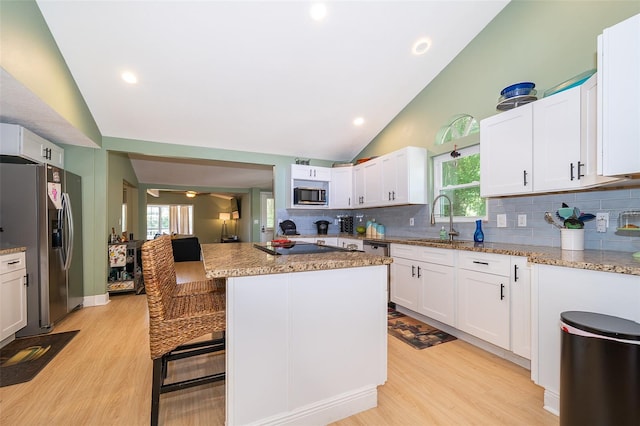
pixel 404 176
pixel 546 146
pixel 350 242
pixel 308 177
pixel 328 241
pixel 483 296
pixel 341 188
pixel 13 294
pixel 423 280
pixel 368 184
pixel 303 172
pixel 520 287
pixel 392 179
pixel 558 289
pixel 506 160
pixel 619 94
pixel 18 141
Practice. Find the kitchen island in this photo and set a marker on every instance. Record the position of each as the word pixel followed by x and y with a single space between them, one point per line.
pixel 306 334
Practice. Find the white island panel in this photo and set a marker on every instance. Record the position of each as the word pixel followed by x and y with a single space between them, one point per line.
pixel 307 347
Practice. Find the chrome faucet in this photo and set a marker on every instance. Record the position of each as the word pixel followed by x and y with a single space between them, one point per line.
pixel 452 232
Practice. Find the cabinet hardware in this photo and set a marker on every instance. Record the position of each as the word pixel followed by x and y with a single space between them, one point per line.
pixel 418 272
pixel 524 177
pixel 26 280
pixel 501 291
pixel 413 271
pixel 580 174
pixel 393 195
pixel 477 262
pixel 571 171
pixel 515 273
pixel 13 262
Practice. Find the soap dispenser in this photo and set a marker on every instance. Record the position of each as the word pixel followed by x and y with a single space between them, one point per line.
pixel 443 233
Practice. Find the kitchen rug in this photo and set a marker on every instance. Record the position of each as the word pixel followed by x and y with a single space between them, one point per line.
pixel 414 332
pixel 22 359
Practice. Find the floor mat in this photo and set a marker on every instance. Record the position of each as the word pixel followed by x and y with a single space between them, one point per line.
pixel 22 359
pixel 414 332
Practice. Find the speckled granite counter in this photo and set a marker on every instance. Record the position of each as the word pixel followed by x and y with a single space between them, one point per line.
pixel 6 249
pixel 242 259
pixel 596 260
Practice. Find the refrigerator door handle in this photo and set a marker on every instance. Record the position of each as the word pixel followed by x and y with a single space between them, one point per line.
pixel 68 216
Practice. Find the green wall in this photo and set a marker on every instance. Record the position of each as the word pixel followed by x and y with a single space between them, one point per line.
pixel 546 42
pixel 31 56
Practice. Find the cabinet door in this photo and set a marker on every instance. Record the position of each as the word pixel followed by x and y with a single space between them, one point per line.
pixel 556 141
pixel 404 283
pixel 520 307
pixel 483 306
pixel 389 165
pixel 13 302
pixel 372 183
pixel 358 186
pixel 437 292
pixel 619 90
pixel 304 172
pixel 341 188
pixel 506 156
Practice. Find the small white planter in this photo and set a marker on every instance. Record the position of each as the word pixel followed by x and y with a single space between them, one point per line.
pixel 572 239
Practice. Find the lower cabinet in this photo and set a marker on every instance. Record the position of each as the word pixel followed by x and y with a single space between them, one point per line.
pixel 486 295
pixel 13 294
pixel 423 280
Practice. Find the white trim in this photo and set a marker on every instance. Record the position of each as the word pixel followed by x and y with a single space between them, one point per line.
pixel 97 300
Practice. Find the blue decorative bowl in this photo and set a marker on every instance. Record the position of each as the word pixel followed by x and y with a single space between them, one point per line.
pixel 518 89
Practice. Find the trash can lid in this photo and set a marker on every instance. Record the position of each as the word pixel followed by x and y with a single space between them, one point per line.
pixel 604 325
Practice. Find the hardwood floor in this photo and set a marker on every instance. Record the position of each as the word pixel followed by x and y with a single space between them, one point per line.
pixel 103 377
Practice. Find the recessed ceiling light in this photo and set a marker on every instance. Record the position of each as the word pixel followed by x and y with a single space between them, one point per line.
pixel 129 77
pixel 318 11
pixel 358 121
pixel 421 46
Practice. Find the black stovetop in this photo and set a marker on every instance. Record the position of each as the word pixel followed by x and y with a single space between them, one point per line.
pixel 294 247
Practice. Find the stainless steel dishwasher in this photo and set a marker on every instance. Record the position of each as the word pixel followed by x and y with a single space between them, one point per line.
pixel 381 249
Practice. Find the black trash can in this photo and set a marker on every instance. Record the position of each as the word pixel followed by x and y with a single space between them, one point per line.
pixel 599 370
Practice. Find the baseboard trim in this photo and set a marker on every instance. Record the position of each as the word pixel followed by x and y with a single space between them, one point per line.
pixel 327 411
pixel 97 300
pixel 551 402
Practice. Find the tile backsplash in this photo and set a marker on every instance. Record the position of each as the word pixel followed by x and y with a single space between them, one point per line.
pixel 536 232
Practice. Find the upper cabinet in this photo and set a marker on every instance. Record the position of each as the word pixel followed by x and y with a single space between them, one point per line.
pixel 17 141
pixel 546 146
pixel 619 93
pixel 392 179
pixel 506 160
pixel 308 187
pixel 341 188
pixel 303 172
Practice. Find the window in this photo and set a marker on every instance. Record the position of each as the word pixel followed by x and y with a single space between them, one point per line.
pixel 459 179
pixel 169 219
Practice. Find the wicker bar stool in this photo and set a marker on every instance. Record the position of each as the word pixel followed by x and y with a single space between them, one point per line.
pixel 175 320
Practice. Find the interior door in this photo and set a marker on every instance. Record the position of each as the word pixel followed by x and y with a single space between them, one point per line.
pixel 267 216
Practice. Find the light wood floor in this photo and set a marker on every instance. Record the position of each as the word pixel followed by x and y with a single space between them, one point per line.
pixel 103 377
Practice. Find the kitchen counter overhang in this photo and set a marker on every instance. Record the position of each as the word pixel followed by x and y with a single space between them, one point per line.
pixel 242 259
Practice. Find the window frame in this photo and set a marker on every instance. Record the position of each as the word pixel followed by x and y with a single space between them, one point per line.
pixel 438 161
pixel 160 230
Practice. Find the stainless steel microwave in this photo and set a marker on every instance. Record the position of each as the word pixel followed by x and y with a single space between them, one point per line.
pixel 309 196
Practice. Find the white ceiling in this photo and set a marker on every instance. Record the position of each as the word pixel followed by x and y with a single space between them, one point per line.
pixel 258 76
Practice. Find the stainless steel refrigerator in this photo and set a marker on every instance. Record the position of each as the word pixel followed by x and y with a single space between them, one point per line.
pixel 40 209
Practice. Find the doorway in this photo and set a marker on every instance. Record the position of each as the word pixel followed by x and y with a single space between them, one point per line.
pixel 267 216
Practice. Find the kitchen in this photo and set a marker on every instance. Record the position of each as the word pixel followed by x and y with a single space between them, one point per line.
pixel 523 21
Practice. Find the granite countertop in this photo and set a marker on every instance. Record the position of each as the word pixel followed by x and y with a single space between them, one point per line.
pixel 9 249
pixel 242 259
pixel 596 260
